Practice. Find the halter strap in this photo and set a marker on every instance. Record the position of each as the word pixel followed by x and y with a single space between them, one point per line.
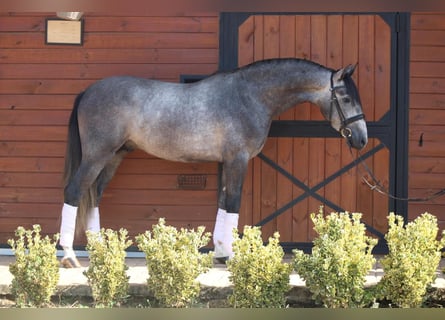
pixel 344 130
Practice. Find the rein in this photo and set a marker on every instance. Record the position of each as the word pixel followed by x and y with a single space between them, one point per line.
pixel 375 184
pixel 344 130
pixel 346 133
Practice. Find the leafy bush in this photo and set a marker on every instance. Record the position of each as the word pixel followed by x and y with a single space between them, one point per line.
pixel 341 258
pixel 36 268
pixel 174 262
pixel 106 273
pixel 413 259
pixel 258 273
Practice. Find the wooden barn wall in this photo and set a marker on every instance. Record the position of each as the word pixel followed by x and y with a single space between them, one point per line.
pixel 427 113
pixel 38 84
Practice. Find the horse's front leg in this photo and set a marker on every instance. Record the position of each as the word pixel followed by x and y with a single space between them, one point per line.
pixel 229 202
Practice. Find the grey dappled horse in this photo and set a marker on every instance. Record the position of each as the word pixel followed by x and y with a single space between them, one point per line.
pixel 224 118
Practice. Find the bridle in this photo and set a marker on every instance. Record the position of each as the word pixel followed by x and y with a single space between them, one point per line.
pixel 344 130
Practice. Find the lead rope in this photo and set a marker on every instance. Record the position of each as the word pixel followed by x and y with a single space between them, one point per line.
pixel 375 185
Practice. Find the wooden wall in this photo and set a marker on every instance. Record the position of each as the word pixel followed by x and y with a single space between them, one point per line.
pixel 38 84
pixel 427 113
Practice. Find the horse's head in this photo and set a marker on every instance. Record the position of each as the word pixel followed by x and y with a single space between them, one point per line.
pixel 344 110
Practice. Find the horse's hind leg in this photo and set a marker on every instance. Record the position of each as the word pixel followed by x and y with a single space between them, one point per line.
pixel 229 202
pixel 108 172
pixel 67 229
pixel 77 187
pixel 85 177
pixel 105 176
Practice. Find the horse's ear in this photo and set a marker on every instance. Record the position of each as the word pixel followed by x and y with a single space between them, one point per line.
pixel 346 71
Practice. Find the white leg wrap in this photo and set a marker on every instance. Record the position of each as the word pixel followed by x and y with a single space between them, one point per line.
pixel 231 222
pixel 223 247
pixel 218 232
pixel 68 226
pixel 93 223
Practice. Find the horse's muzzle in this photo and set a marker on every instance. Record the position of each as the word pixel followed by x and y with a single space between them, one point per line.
pixel 356 140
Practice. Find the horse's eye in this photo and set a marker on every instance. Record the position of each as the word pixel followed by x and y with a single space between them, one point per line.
pixel 346 100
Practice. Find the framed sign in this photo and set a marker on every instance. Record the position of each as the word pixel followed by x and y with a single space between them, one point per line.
pixel 64 32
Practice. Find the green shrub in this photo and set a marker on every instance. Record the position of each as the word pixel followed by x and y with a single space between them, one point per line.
pixel 258 273
pixel 174 262
pixel 413 259
pixel 341 258
pixel 106 273
pixel 36 268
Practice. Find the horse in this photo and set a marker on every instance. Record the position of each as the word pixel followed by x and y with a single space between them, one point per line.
pixel 223 118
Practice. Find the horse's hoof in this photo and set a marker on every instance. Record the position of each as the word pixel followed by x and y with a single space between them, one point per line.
pixel 221 260
pixel 70 262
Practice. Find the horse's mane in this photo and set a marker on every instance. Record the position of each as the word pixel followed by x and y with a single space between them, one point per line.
pixel 271 61
pixel 297 62
pixel 282 60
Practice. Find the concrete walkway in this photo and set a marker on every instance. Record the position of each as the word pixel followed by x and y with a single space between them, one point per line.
pixel 73 282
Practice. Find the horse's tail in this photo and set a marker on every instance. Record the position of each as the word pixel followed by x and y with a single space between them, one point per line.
pixel 73 158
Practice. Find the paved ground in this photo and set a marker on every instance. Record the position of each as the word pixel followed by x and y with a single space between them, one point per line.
pixel 73 282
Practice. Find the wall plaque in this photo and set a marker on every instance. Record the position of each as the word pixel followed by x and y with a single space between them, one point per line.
pixel 64 32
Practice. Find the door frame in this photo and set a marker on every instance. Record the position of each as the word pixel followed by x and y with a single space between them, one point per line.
pixel 392 129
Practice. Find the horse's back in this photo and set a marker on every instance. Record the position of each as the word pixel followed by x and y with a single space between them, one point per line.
pixel 119 89
pixel 128 91
pixel 162 118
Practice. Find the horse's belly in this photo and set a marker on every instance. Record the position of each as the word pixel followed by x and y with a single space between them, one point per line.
pixel 184 152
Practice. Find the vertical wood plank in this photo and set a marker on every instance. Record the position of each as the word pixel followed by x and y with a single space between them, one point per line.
pixel 317 145
pixel 258 53
pixel 287 50
pixel 246 42
pixel 366 90
pixel 269 175
pixel 333 146
pixel 382 104
pixel 380 205
pixel 318 51
pixel 285 145
pixel 300 212
pixel 382 68
pixel 366 64
pixel 348 180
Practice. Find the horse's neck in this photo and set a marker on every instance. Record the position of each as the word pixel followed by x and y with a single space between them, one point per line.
pixel 283 86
